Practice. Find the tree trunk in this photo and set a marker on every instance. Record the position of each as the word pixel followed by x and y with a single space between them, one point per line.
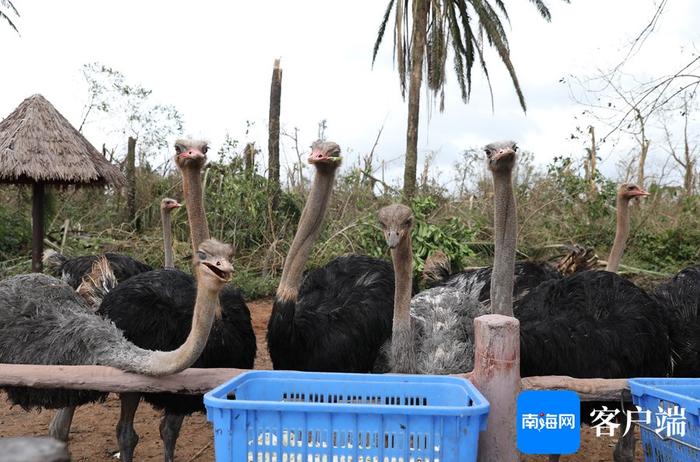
pixel 37 226
pixel 642 161
pixel 418 35
pixel 273 143
pixel 592 157
pixel 131 181
pixel 249 159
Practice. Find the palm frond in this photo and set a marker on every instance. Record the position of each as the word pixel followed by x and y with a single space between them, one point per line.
pixel 9 21
pixel 498 41
pixel 382 28
pixel 459 52
pixel 543 9
pixel 501 6
pixel 8 4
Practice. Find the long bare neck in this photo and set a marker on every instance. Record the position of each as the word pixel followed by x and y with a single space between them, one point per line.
pixel 134 359
pixel 505 239
pixel 622 232
pixel 307 233
pixel 167 237
pixel 403 351
pixel 194 197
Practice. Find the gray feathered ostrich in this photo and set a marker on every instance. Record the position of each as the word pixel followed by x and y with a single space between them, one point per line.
pixel 433 332
pixel 44 321
pixel 95 284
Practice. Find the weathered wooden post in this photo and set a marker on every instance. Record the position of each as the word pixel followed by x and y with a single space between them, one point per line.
pixel 497 376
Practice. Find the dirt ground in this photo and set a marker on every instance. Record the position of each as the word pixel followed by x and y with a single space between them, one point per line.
pixel 93 431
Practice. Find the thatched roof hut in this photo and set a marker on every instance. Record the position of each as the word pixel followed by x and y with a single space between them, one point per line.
pixel 39 146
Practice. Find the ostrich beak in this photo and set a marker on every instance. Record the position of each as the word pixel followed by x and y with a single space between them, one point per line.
pixel 502 153
pixel 392 238
pixel 193 154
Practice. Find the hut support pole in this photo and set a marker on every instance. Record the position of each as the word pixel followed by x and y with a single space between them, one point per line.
pixel 497 376
pixel 37 226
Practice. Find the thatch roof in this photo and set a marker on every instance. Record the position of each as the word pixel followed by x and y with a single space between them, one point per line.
pixel 38 144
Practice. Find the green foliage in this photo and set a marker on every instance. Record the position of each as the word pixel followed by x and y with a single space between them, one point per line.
pixel 253 285
pixel 15 233
pixel 448 234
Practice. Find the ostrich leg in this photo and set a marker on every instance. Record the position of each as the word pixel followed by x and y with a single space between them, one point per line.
pixel 126 435
pixel 624 449
pixel 169 431
pixel 59 427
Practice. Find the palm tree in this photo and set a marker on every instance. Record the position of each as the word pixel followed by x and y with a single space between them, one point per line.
pixel 437 26
pixel 7 5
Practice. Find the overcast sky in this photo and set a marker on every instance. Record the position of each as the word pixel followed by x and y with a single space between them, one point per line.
pixel 213 61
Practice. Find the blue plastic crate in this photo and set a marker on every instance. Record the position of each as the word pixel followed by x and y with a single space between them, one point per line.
pixel 659 395
pixel 284 416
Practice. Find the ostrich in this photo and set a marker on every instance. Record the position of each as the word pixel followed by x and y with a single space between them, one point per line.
pixel 334 318
pixel 153 310
pixel 625 193
pixel 167 205
pixel 72 270
pixel 530 274
pixel 44 321
pixel 680 295
pixel 96 283
pixel 431 332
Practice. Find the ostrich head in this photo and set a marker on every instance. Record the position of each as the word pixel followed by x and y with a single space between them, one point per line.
pixel 213 264
pixel 168 204
pixel 628 191
pixel 396 221
pixel 501 156
pixel 190 153
pixel 325 156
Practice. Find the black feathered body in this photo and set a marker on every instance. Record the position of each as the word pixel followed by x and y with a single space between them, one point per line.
pixel 72 270
pixel 154 309
pixel 44 321
pixel 681 297
pixel 342 317
pixel 593 324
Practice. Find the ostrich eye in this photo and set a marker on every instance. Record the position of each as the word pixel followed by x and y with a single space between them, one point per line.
pixel 179 149
pixel 515 147
pixel 201 255
pixel 205 149
pixel 408 222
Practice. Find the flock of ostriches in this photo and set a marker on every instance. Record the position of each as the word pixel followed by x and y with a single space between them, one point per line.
pixel 355 314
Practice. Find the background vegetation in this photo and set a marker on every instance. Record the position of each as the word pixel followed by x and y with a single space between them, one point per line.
pixel 555 206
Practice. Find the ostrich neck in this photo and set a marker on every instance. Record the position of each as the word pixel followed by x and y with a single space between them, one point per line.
pixel 404 359
pixel 505 238
pixel 402 256
pixel 194 197
pixel 170 362
pixel 167 238
pixel 307 232
pixel 622 231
